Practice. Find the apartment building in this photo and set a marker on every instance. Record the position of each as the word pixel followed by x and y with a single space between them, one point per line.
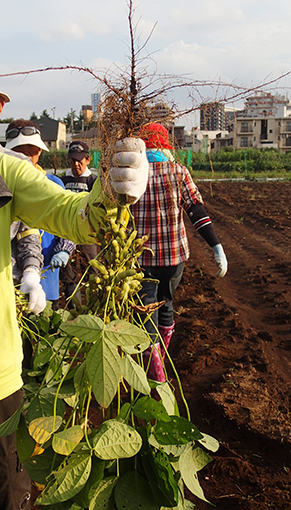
pixel 212 116
pixel 262 132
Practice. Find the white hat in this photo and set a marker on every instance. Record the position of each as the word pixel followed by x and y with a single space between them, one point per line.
pixel 22 139
pixel 5 97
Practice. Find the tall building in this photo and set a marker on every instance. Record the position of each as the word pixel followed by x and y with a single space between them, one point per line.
pixel 212 116
pixel 95 101
pixel 264 105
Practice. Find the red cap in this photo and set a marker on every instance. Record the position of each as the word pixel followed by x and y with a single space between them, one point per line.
pixel 155 136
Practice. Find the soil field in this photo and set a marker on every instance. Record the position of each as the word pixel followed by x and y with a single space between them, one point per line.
pixel 232 345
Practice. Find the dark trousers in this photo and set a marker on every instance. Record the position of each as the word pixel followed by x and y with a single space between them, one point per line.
pixel 15 484
pixel 169 278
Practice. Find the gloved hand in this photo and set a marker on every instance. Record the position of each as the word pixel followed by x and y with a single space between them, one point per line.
pixel 220 260
pixel 30 284
pixel 130 175
pixel 59 259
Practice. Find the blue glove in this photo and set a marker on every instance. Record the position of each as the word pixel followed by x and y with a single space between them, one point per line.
pixel 220 260
pixel 60 259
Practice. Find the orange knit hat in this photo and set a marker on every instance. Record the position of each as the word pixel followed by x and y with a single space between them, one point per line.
pixel 155 136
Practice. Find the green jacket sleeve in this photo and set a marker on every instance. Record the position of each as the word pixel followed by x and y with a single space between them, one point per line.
pixel 43 204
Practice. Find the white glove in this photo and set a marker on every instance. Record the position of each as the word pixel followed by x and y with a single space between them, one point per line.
pixel 30 284
pixel 130 175
pixel 220 260
pixel 59 259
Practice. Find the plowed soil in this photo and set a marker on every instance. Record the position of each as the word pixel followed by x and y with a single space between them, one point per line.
pixel 232 345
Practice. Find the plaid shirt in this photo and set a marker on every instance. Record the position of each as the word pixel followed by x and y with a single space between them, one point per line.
pixel 159 212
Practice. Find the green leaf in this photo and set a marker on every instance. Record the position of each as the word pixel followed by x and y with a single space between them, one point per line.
pixel 103 369
pixel 209 442
pixel 116 440
pixel 177 430
pixel 39 467
pixel 175 450
pixel 124 411
pixel 134 375
pixel 41 429
pixel 161 479
pixel 167 397
pixel 69 480
pixel 42 355
pixel 191 461
pixel 124 334
pixel 80 379
pixel 132 491
pixel 9 426
pixel 101 497
pixel 135 349
pixel 25 443
pixel 66 441
pixel 43 405
pixel 97 472
pixel 85 327
pixel 31 389
pixel 147 408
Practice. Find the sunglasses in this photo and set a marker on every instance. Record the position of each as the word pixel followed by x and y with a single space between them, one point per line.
pixel 25 130
pixel 77 148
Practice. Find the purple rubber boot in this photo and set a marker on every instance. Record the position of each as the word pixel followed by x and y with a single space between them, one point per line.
pixel 156 370
pixel 166 334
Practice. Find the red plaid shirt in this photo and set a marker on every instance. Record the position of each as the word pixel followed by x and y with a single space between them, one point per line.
pixel 159 212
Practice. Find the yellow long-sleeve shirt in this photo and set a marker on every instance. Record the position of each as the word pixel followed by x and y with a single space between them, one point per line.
pixel 43 204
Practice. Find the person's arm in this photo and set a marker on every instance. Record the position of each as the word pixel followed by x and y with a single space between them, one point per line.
pixel 29 249
pixel 29 261
pixel 75 216
pixel 202 223
pixel 61 254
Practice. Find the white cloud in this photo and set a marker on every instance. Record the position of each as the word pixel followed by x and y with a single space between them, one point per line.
pixel 67 31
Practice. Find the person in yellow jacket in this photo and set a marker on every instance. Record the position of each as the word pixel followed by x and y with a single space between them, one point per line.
pixel 27 195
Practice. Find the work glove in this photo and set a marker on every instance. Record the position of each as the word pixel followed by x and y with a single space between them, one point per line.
pixel 30 284
pixel 130 175
pixel 59 259
pixel 220 260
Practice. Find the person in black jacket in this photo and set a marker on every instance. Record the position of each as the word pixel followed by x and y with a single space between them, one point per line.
pixel 78 178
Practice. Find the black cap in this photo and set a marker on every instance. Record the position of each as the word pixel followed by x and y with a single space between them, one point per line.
pixel 78 150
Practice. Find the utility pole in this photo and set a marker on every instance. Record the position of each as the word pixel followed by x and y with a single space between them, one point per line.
pixel 53 110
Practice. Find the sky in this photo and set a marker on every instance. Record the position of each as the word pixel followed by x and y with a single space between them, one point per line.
pixel 243 43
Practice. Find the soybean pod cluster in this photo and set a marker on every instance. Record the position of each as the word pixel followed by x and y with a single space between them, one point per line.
pixel 110 293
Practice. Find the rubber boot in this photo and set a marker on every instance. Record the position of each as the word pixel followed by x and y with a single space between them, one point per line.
pixel 166 334
pixel 155 370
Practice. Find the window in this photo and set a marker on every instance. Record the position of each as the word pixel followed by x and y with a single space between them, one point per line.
pixel 244 141
pixel 288 125
pixel 244 127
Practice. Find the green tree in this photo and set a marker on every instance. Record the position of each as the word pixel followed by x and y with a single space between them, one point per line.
pixel 33 116
pixel 45 113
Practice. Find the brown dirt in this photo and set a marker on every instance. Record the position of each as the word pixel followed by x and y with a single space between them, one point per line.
pixel 232 345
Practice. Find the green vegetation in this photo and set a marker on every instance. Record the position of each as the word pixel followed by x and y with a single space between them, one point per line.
pixel 241 163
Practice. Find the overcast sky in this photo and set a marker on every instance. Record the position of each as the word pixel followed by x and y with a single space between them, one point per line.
pixel 242 42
